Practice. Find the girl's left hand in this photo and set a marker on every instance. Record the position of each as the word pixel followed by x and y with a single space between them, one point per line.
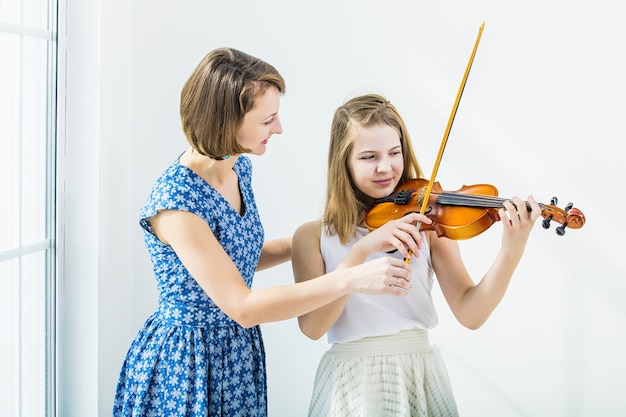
pixel 518 221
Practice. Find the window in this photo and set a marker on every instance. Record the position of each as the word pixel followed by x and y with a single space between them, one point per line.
pixel 28 75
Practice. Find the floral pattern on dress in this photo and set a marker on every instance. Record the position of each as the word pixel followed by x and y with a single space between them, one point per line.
pixel 189 358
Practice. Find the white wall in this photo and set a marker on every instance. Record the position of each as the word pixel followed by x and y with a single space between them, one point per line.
pixel 541 114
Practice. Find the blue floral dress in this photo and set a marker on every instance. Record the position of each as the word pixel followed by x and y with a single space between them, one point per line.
pixel 190 359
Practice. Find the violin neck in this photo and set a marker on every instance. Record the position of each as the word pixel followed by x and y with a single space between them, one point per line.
pixel 472 200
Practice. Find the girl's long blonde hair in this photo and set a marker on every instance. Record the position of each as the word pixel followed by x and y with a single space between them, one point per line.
pixel 346 205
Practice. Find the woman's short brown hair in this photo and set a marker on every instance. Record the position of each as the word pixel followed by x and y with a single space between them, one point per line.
pixel 217 96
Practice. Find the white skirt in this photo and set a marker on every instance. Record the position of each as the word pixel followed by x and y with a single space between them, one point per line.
pixel 399 375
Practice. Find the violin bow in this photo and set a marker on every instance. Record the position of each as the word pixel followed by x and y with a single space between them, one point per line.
pixel 446 134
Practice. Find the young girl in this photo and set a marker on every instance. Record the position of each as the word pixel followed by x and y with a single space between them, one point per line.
pixel 201 353
pixel 381 362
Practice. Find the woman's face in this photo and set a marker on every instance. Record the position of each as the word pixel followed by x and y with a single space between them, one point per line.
pixel 376 162
pixel 260 123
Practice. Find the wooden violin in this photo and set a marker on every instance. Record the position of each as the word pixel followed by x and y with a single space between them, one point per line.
pixel 460 214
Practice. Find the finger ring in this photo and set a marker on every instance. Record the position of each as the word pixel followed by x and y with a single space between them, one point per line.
pixel 397 281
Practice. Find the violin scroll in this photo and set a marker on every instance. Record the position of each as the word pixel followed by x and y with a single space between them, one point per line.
pixel 569 216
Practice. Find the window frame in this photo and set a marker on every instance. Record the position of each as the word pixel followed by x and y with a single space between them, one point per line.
pixel 47 245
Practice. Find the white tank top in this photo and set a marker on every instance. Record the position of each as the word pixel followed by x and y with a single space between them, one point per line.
pixel 377 315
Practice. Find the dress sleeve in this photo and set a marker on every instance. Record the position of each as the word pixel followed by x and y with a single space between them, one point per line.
pixel 174 190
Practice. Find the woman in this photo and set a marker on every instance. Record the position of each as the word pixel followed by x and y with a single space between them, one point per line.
pixel 201 353
pixel 381 362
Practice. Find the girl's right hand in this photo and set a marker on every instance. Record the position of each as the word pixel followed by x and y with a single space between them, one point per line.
pixel 400 234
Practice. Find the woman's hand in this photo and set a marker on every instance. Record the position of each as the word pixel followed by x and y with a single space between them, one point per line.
pixel 384 275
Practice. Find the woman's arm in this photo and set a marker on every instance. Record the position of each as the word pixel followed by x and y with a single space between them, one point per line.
pixel 205 259
pixel 274 252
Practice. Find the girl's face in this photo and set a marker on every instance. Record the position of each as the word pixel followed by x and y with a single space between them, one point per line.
pixel 260 123
pixel 376 162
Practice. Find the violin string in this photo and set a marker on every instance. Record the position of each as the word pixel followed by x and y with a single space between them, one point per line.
pixel 476 200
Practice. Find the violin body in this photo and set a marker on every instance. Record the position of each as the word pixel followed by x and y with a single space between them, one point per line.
pixel 460 214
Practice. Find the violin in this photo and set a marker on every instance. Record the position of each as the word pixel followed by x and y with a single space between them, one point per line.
pixel 460 214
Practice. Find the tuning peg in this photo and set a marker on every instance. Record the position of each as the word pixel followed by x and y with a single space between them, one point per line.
pixel 561 229
pixel 546 222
